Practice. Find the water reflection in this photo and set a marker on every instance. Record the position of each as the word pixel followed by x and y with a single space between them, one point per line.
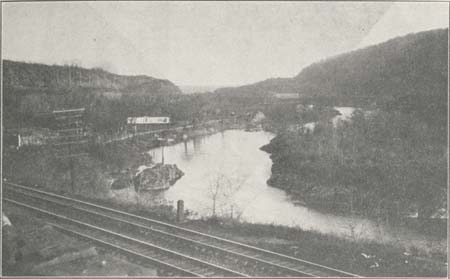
pixel 226 173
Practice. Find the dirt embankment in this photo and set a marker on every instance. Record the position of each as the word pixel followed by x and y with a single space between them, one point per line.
pixel 33 248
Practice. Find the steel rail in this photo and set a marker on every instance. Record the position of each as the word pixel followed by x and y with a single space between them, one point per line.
pixel 164 233
pixel 287 258
pixel 123 250
pixel 127 238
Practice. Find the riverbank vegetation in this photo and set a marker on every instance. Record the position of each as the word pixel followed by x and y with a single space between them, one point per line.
pixel 385 164
pixel 390 159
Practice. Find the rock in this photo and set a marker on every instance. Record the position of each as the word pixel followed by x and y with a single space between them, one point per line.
pixel 5 220
pixel 123 181
pixel 158 177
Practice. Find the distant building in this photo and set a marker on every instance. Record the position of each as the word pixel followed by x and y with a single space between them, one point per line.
pixel 148 120
pixel 287 96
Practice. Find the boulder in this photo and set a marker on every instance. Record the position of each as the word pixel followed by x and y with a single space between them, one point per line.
pixel 5 220
pixel 158 177
pixel 121 182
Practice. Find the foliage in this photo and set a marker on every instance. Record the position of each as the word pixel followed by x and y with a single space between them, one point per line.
pixel 39 166
pixel 383 162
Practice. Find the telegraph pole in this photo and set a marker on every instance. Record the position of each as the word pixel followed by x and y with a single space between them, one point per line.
pixel 162 141
pixel 162 157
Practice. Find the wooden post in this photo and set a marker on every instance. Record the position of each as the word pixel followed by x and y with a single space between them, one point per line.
pixel 180 211
pixel 162 155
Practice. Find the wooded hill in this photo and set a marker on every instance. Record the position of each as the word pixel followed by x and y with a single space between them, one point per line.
pixel 30 90
pixel 408 73
pixel 20 75
pixel 388 164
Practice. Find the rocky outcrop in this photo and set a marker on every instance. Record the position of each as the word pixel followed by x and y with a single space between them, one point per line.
pixel 157 177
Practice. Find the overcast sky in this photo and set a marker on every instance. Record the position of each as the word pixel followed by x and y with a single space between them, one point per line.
pixel 205 43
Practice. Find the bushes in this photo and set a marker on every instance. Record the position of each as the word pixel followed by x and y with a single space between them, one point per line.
pixel 391 159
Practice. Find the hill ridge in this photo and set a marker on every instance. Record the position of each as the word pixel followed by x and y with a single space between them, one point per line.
pixel 24 75
pixel 364 74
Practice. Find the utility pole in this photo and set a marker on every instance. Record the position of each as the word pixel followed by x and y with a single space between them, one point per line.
pixel 162 157
pixel 162 141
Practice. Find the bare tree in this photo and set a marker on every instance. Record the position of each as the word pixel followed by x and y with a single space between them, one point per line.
pixel 222 192
pixel 215 188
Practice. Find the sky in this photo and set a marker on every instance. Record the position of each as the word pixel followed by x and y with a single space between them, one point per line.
pixel 205 43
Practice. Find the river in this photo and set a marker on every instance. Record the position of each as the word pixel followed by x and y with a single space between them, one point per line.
pixel 227 173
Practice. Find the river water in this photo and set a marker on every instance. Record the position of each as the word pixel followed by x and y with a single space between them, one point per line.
pixel 226 173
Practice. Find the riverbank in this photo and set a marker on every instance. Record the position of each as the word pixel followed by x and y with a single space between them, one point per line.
pixel 372 164
pixel 234 186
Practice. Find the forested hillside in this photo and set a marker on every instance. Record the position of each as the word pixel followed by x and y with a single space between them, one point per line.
pixel 408 73
pixel 45 77
pixel 30 90
pixel 388 163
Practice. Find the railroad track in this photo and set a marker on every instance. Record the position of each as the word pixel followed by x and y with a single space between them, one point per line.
pixel 233 258
pixel 171 262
